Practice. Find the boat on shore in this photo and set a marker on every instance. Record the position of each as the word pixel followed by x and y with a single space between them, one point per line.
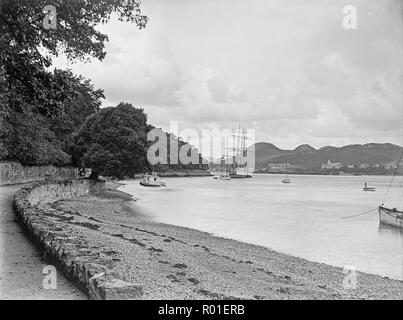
pixel 152 180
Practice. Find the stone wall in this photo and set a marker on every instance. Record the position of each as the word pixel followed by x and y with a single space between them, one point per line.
pixel 14 173
pixel 85 266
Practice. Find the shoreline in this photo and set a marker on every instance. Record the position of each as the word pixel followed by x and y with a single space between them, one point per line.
pixel 348 174
pixel 125 195
pixel 128 195
pixel 173 262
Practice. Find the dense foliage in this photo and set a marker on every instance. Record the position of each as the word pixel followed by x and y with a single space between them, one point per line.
pixel 29 136
pixel 27 45
pixel 54 117
pixel 40 109
pixel 113 141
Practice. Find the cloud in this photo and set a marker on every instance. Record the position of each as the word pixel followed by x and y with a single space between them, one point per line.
pixel 287 68
pixel 218 89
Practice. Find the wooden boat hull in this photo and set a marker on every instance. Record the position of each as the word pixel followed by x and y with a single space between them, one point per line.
pixel 153 185
pixel 368 188
pixel 391 217
pixel 224 178
pixel 240 176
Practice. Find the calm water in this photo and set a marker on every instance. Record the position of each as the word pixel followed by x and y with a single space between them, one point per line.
pixel 303 218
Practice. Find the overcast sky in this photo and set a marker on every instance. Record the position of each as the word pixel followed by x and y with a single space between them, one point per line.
pixel 286 68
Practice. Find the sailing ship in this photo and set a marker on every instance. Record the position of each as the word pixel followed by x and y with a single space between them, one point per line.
pixel 392 216
pixel 224 163
pixel 239 167
pixel 286 179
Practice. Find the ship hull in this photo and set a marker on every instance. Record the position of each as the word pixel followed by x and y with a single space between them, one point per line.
pixel 152 185
pixel 240 176
pixel 369 189
pixel 391 217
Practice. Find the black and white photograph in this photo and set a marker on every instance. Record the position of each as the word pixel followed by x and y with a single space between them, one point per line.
pixel 224 152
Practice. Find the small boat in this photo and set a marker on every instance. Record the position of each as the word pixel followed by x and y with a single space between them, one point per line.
pixel 240 173
pixel 286 180
pixel 392 217
pixel 152 180
pixel 369 188
pixel 366 188
pixel 224 177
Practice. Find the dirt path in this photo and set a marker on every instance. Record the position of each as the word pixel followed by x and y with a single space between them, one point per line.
pixel 21 263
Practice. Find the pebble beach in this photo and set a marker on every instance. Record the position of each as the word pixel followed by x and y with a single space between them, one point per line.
pixel 172 262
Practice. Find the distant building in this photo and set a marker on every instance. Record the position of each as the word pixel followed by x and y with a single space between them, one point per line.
pixel 390 165
pixel 331 165
pixel 280 167
pixel 350 166
pixel 376 165
pixel 364 166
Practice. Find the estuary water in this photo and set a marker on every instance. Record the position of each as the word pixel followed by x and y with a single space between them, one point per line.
pixel 305 218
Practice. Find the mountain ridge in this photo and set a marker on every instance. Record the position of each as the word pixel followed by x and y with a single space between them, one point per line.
pixel 307 157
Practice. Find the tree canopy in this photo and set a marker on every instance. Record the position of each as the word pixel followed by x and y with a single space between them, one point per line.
pixel 53 116
pixel 39 109
pixel 113 141
pixel 35 139
pixel 27 45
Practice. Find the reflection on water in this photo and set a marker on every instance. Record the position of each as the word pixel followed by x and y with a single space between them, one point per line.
pixel 389 230
pixel 303 218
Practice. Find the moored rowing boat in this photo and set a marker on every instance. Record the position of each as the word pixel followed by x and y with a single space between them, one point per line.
pixel 392 217
pixel 369 189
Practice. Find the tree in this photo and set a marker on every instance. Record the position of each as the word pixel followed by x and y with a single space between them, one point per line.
pixel 83 101
pixel 35 139
pixel 38 108
pixel 113 141
pixel 27 44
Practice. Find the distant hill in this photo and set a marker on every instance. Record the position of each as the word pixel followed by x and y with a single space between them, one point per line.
pixel 309 158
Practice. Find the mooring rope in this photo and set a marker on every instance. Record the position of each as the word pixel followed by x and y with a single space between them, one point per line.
pixel 360 214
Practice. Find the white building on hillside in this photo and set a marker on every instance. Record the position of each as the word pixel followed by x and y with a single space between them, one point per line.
pixel 331 165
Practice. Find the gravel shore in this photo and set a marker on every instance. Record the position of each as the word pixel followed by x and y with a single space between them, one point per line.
pixel 173 262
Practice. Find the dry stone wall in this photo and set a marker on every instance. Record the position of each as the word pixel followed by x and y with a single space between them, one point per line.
pixel 86 267
pixel 14 173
